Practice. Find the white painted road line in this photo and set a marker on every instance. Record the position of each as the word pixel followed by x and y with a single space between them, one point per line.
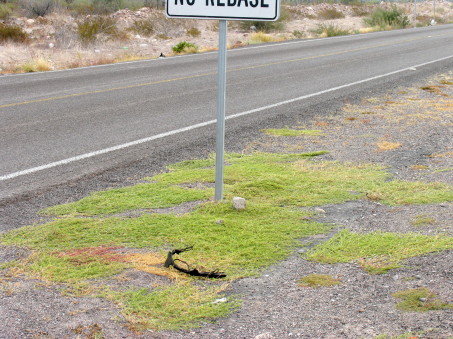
pixel 206 123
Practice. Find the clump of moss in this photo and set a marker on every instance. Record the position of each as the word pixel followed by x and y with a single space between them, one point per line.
pixel 318 280
pixel 420 300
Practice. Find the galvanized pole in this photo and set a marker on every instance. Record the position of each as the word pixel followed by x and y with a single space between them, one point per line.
pixel 221 90
pixel 434 10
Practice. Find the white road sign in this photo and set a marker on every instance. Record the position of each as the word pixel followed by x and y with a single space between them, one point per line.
pixel 256 10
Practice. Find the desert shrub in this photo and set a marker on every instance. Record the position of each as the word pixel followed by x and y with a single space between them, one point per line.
pixel 12 33
pixel 329 14
pixel 184 47
pixel 194 32
pixel 383 18
pixel 330 30
pixel 38 7
pixel 6 10
pixel 260 38
pixel 298 34
pixel 102 6
pixel 267 26
pixel 35 65
pixel 143 27
pixel 360 10
pixel 90 27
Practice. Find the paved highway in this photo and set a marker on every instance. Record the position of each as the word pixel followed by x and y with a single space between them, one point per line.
pixel 56 127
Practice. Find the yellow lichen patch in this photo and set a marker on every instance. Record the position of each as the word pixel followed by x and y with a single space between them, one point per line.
pixel 387 145
pixel 153 263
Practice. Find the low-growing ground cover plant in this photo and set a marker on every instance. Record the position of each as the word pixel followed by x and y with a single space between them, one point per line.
pixel 420 300
pixel 102 235
pixel 377 252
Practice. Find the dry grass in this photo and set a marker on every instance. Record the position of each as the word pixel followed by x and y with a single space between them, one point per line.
pixel 387 145
pixel 261 37
pixel 153 263
pixel 35 65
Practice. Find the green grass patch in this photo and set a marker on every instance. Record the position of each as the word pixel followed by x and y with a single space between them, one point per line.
pixel 318 280
pixel 287 132
pixel 141 196
pixel 423 220
pixel 420 300
pixel 245 242
pixel 377 252
pixel 174 307
pixel 76 249
pixel 72 269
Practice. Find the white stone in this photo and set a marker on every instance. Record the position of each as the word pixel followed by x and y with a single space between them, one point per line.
pixel 51 45
pixel 221 300
pixel 239 203
pixel 266 335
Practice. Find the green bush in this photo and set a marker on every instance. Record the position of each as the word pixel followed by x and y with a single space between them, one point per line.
pixel 90 27
pixel 184 46
pixel 383 18
pixel 12 33
pixel 330 14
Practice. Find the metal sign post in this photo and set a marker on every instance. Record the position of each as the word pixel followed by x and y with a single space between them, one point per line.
pixel 223 10
pixel 221 91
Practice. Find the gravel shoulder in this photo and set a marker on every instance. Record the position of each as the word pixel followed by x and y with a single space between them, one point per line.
pixel 409 130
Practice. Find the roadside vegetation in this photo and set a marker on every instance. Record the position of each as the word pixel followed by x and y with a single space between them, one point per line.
pixel 91 241
pixel 393 18
pixel 77 33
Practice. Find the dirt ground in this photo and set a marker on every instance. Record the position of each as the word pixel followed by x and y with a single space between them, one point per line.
pixel 55 45
pixel 416 124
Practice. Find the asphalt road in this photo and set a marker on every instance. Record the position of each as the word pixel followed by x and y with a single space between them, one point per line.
pixel 78 130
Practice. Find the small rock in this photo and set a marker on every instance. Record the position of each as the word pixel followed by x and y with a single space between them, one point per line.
pixel 30 21
pixel 143 45
pixel 221 300
pixel 220 222
pixel 320 210
pixel 238 203
pixel 51 45
pixel 97 51
pixel 423 300
pixel 266 335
